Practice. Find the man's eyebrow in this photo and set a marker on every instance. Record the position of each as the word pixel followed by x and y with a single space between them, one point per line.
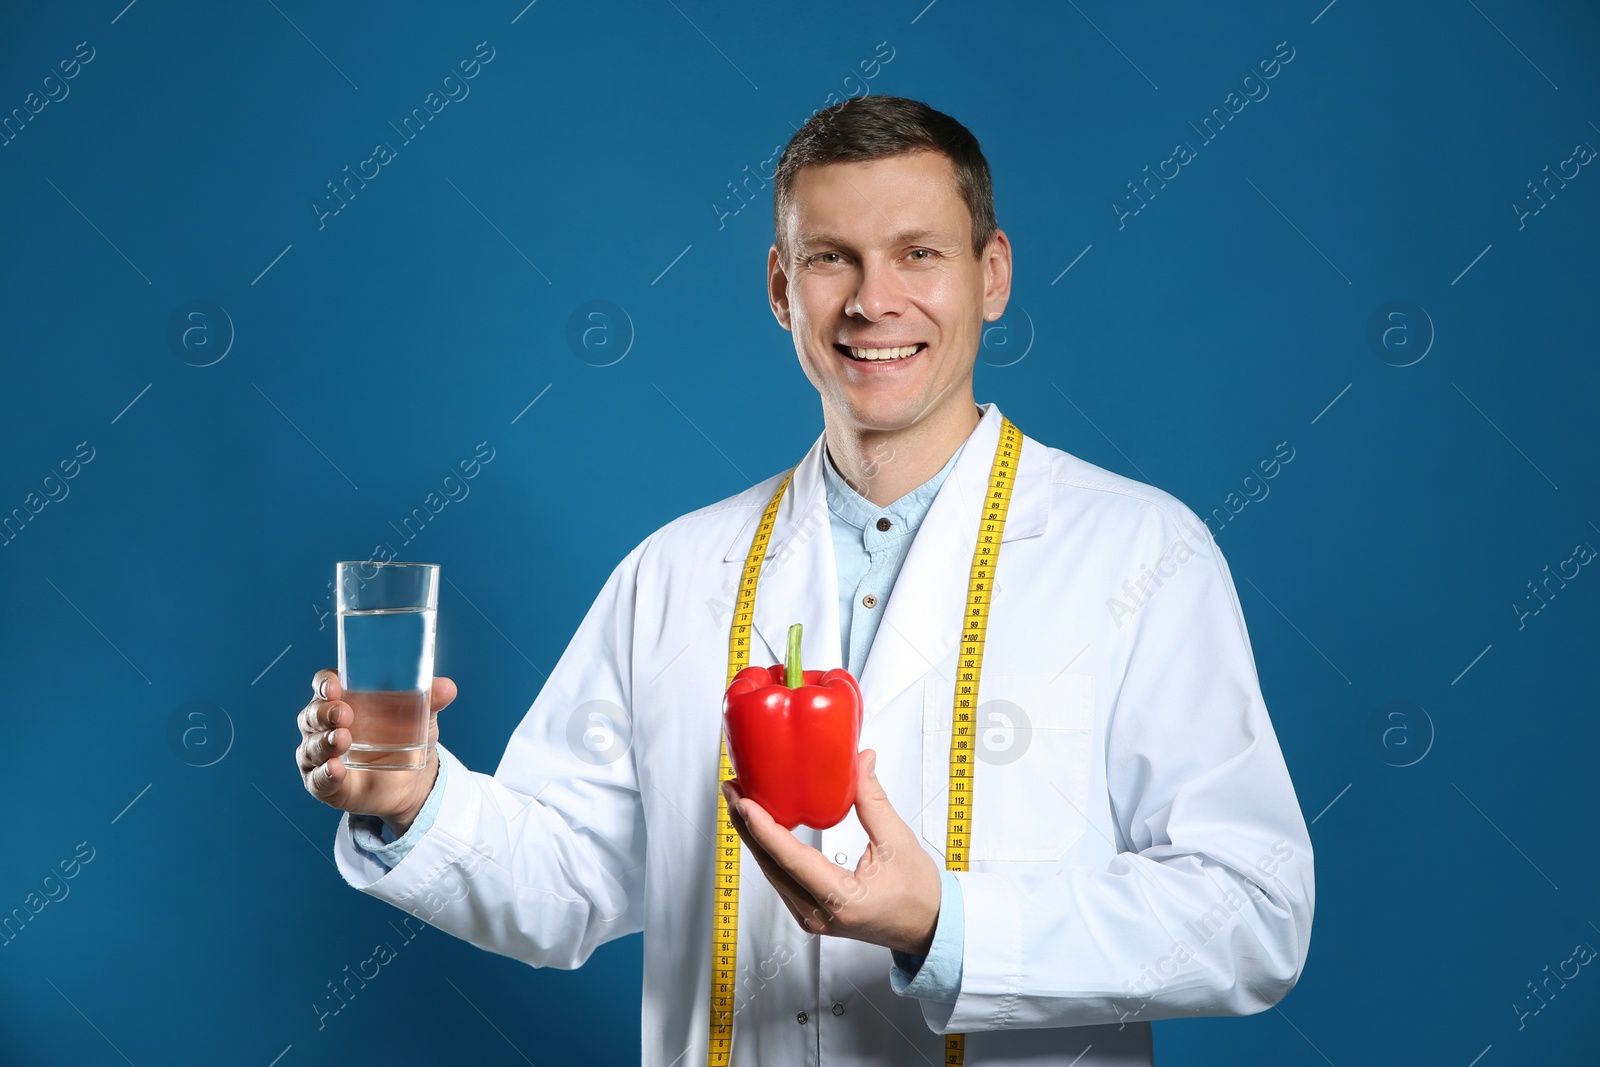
pixel 813 239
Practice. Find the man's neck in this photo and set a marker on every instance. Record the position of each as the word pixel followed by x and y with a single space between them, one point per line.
pixel 884 466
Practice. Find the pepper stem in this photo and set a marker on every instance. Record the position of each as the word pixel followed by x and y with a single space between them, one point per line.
pixel 795 678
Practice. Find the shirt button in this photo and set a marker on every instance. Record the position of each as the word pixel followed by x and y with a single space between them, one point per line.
pixel 870 601
pixel 838 1009
pixel 840 858
pixel 802 1018
pixel 884 524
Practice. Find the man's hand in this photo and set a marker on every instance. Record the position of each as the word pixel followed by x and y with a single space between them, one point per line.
pixel 891 899
pixel 394 796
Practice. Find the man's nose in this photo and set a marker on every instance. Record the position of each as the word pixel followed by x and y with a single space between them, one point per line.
pixel 879 292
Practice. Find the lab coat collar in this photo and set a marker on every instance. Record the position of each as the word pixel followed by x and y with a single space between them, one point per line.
pixel 925 609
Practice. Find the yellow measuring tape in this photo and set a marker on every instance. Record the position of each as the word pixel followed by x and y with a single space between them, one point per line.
pixel 725 914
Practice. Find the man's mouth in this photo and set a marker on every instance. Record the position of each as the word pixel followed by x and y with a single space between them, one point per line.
pixel 880 355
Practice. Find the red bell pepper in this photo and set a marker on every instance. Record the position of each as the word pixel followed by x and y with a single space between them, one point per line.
pixel 793 737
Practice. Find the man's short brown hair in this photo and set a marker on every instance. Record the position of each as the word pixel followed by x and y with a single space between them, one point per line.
pixel 875 127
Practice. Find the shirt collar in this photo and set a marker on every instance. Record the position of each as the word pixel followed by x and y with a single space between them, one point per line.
pixel 904 514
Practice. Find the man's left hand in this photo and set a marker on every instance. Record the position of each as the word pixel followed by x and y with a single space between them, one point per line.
pixel 892 897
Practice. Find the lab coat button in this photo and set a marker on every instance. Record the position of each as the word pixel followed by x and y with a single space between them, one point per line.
pixel 840 858
pixel 884 524
pixel 802 1018
pixel 838 1009
pixel 870 601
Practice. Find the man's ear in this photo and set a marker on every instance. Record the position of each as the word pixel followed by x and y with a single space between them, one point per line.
pixel 996 276
pixel 777 287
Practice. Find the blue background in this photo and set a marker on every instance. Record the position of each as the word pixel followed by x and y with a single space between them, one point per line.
pixel 162 619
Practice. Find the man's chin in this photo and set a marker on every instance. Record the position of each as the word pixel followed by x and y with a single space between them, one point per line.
pixel 884 415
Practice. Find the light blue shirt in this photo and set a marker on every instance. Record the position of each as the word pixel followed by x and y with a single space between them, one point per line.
pixel 869 548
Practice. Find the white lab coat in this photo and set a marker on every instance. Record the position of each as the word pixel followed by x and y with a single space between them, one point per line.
pixel 1137 849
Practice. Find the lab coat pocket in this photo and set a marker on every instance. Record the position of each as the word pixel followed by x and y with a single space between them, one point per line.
pixel 1031 750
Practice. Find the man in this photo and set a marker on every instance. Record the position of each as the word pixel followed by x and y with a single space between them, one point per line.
pixel 1135 849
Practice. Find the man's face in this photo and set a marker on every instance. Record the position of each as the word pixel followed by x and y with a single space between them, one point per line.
pixel 880 257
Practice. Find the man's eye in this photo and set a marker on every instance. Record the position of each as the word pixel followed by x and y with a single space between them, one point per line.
pixel 825 257
pixel 925 253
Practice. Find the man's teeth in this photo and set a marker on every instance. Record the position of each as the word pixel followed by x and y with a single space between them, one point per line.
pixel 883 353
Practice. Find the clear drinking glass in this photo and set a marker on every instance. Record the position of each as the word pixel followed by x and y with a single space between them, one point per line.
pixel 387 618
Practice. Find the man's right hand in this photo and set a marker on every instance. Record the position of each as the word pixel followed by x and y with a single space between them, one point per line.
pixel 394 796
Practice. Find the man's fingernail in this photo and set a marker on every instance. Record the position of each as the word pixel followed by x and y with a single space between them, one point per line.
pixel 322 688
pixel 330 736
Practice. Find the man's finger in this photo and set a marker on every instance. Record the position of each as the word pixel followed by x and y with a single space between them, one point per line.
pixel 326 779
pixel 325 684
pixel 309 719
pixel 308 755
pixel 807 882
pixel 321 716
pixel 780 879
pixel 802 864
pixel 804 911
pixel 878 817
pixel 801 905
pixel 321 747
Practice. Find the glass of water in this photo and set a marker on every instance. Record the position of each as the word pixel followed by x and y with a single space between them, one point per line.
pixel 387 617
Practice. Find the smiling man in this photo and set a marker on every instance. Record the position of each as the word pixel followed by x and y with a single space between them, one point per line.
pixel 1066 825
pixel 885 271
